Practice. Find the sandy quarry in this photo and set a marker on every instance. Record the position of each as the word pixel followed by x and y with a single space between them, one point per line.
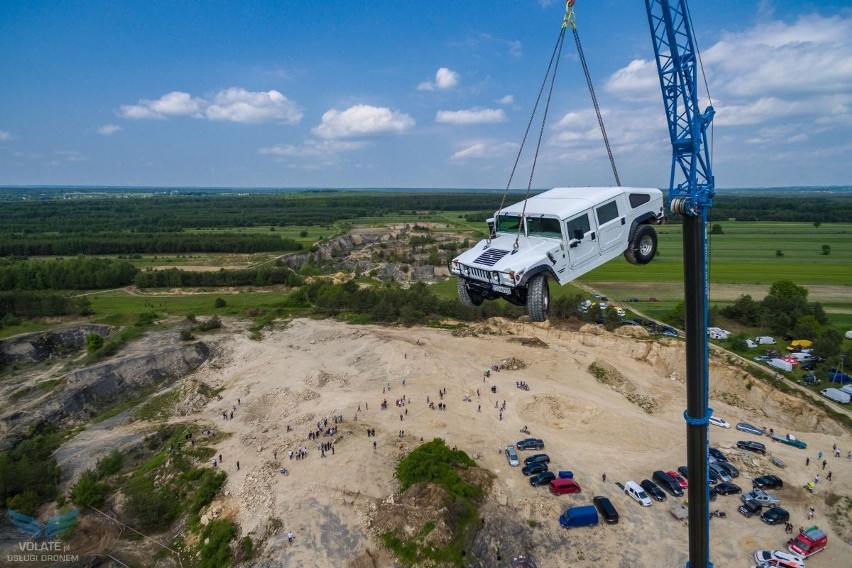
pixel 298 375
pixel 626 427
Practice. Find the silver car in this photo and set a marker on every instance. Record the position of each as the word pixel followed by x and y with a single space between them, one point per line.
pixel 720 472
pixel 762 497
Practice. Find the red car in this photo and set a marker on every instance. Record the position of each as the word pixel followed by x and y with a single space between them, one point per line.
pixel 679 478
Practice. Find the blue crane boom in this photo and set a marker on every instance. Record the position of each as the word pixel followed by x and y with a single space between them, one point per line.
pixel 690 195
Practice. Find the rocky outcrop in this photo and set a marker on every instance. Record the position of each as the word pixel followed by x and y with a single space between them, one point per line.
pixel 91 390
pixel 111 381
pixel 35 347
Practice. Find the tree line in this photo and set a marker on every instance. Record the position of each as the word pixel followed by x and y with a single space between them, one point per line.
pixel 175 278
pixel 78 273
pixel 140 243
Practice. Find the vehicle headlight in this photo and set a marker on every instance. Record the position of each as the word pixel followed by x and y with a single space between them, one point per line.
pixel 466 270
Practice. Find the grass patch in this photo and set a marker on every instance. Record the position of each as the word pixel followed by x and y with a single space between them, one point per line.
pixel 159 407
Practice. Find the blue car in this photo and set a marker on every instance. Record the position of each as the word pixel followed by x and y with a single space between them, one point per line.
pixel 746 427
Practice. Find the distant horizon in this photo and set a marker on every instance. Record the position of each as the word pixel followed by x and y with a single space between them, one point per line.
pixel 293 189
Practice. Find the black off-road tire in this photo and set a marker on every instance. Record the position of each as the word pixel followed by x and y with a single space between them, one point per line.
pixel 643 246
pixel 538 298
pixel 468 298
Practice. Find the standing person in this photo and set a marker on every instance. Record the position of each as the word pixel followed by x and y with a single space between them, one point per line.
pixel 290 537
pixel 603 477
pixel 807 461
pixel 238 465
pixel 829 476
pixel 824 462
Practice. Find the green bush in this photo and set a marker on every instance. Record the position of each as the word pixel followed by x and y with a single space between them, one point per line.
pixel 88 492
pixel 110 464
pixel 94 342
pixel 26 503
pixel 434 462
pixel 214 544
pixel 151 509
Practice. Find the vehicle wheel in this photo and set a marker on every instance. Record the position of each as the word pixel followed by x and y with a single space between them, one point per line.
pixel 538 298
pixel 642 248
pixel 468 298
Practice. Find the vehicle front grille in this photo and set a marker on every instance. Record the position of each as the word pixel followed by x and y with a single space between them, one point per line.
pixel 480 274
pixel 491 257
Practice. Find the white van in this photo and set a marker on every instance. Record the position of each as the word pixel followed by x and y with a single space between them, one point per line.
pixel 801 356
pixel 718 333
pixel 635 490
pixel 765 340
pixel 750 344
pixel 836 395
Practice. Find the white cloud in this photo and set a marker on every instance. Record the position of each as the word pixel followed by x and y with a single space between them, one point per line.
pixel 5 136
pixel 233 105
pixel 481 149
pixel 175 103
pixel 444 79
pixel 312 148
pixel 108 129
pixel 636 82
pixel 507 100
pixel 239 105
pixel 362 120
pixel 473 116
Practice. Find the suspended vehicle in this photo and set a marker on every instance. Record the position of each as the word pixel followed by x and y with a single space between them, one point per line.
pixel 560 234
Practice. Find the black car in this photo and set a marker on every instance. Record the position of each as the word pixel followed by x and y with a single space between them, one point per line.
pixel 751 446
pixel 768 482
pixel 668 483
pixel 727 489
pixel 543 458
pixel 775 516
pixel 684 471
pixel 750 507
pixel 534 468
pixel 606 509
pixel 716 453
pixel 542 478
pixel 653 490
pixel 530 444
pixel 729 468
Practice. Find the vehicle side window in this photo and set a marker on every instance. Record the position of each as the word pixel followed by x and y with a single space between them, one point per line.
pixel 607 212
pixel 578 227
pixel 637 199
pixel 544 227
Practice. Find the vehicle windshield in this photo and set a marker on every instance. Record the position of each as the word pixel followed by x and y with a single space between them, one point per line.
pixel 508 223
pixel 547 227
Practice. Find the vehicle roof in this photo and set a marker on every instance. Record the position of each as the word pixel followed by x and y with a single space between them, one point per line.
pixel 566 201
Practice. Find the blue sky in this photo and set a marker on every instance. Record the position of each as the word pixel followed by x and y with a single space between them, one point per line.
pixel 394 93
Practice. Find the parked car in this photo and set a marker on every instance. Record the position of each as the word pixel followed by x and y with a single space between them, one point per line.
pixel 534 468
pixel 780 558
pixel 635 490
pixel 725 488
pixel 512 456
pixel 775 516
pixel 749 428
pixel 750 507
pixel 606 509
pixel 684 471
pixel 716 421
pixel 679 478
pixel 530 444
pixel 668 483
pixel 762 497
pixel 543 458
pixel 560 486
pixel 768 481
pixel 729 468
pixel 763 358
pixel 720 473
pixel 751 446
pixel 653 490
pixel 717 454
pixel 543 478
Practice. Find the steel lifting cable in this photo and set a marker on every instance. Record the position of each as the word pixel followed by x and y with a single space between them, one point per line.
pixel 552 64
pixel 569 19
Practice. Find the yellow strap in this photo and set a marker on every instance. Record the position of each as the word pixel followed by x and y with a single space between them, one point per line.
pixel 569 15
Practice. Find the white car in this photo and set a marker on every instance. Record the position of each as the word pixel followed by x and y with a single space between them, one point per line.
pixel 558 236
pixel 716 421
pixel 635 490
pixel 779 558
pixel 512 456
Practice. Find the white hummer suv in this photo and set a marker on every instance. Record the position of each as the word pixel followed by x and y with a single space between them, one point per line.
pixel 560 234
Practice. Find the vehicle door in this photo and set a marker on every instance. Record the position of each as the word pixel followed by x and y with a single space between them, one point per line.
pixel 582 239
pixel 612 225
pixel 549 229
